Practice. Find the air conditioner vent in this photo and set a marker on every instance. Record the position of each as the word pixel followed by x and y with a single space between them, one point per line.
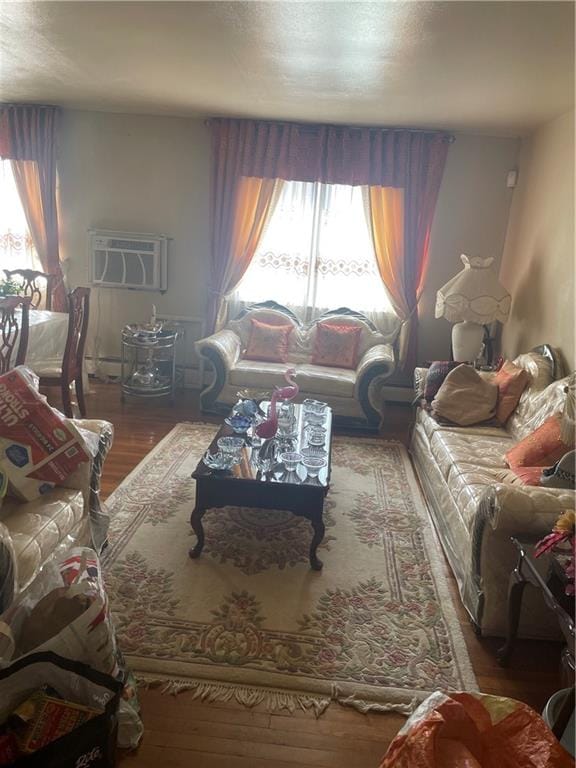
pixel 128 260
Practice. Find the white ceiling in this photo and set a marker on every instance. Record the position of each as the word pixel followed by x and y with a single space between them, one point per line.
pixel 501 67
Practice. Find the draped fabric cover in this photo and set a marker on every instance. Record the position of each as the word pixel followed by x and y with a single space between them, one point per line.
pixel 28 139
pixel 411 161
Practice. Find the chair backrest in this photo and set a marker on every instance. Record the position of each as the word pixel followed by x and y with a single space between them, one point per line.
pixel 78 308
pixel 30 286
pixel 13 331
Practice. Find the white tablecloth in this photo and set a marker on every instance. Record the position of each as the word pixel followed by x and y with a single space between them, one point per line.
pixel 46 338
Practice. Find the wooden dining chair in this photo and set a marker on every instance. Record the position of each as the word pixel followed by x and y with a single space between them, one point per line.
pixel 30 286
pixel 72 363
pixel 13 331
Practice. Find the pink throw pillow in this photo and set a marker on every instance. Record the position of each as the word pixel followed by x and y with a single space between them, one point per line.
pixel 529 475
pixel 336 345
pixel 267 342
pixel 511 381
pixel 540 449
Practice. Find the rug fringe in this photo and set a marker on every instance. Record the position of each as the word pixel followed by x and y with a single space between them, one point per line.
pixel 273 699
pixel 248 696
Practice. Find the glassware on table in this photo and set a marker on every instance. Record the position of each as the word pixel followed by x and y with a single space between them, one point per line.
pixel 218 460
pixel 314 406
pixel 313 465
pixel 291 460
pixel 240 424
pixel 315 435
pixel 286 419
pixel 231 446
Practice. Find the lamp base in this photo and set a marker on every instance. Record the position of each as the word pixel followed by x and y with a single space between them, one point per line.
pixel 467 340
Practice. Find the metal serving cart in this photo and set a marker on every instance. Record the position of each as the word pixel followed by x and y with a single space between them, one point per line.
pixel 148 360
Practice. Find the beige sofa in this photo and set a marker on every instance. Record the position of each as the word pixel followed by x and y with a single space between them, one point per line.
pixel 477 503
pixel 35 532
pixel 354 395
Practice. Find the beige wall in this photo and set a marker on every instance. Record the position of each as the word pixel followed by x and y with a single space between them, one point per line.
pixel 140 174
pixel 151 174
pixel 471 217
pixel 538 261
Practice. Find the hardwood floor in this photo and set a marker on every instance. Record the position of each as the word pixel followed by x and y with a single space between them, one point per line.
pixel 182 732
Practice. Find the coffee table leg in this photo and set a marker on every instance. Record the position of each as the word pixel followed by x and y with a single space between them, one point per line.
pixel 319 529
pixel 196 523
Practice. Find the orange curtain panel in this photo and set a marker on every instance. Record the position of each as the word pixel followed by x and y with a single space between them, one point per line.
pixel 253 204
pixel 28 139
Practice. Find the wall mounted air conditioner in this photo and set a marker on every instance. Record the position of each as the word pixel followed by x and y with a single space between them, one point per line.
pixel 128 260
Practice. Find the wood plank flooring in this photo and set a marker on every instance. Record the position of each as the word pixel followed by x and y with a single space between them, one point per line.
pixel 181 732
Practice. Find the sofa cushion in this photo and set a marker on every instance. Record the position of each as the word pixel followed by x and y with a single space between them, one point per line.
pixel 336 345
pixel 258 374
pixel 541 448
pixel 38 527
pixel 511 381
pixel 321 380
pixel 435 376
pixel 268 342
pixel 465 398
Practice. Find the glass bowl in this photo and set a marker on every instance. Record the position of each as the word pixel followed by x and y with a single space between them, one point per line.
pixel 313 465
pixel 231 445
pixel 219 460
pixel 290 459
pixel 240 424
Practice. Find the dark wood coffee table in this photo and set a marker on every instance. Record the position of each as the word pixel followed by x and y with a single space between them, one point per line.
pixel 245 486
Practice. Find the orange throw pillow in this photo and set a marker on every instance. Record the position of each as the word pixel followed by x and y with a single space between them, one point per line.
pixel 336 345
pixel 268 343
pixel 511 381
pixel 540 449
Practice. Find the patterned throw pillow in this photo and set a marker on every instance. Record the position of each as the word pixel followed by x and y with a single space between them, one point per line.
pixel 336 345
pixel 511 381
pixel 437 372
pixel 542 448
pixel 267 342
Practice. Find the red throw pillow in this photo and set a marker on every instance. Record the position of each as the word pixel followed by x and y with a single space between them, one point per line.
pixel 336 345
pixel 540 449
pixel 267 342
pixel 511 381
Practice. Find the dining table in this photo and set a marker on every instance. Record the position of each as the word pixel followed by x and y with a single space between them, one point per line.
pixel 46 339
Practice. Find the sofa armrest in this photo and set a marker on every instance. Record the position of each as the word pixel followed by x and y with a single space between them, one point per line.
pixel 375 366
pixel 222 349
pixel 506 511
pixel 526 513
pixel 420 375
pixel 225 344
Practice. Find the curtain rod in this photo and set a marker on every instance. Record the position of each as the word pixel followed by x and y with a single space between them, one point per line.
pixel 313 126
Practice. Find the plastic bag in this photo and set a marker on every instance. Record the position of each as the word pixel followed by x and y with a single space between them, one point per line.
pixel 67 613
pixel 474 730
pixel 90 745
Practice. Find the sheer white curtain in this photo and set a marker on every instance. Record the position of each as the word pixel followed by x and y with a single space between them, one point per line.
pixel 316 254
pixel 17 250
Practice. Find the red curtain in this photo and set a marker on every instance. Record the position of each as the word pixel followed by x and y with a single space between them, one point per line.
pixel 28 139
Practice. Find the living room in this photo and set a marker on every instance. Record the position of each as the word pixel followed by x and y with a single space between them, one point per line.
pixel 144 93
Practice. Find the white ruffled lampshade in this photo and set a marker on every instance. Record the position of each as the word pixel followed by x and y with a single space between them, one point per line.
pixel 474 295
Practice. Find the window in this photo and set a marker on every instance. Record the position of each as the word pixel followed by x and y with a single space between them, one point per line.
pixel 16 247
pixel 316 254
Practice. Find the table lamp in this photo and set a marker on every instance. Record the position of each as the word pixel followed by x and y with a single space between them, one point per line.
pixel 472 299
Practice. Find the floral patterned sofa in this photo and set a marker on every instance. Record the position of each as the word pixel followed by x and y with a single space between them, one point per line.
pixel 477 503
pixel 354 394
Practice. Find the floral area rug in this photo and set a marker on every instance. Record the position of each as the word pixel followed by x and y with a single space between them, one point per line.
pixel 250 620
